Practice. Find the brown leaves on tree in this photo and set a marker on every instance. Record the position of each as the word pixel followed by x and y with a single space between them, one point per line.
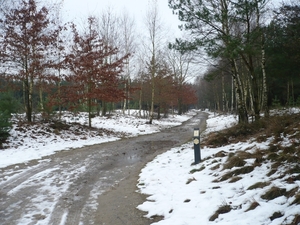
pixel 25 47
pixel 94 69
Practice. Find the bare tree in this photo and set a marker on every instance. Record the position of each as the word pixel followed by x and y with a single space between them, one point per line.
pixel 154 28
pixel 180 63
pixel 108 29
pixel 128 46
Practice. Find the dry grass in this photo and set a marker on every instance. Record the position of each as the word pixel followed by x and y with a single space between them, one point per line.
pixel 273 193
pixel 261 130
pixel 197 170
pixel 231 174
pixel 294 169
pixel 235 179
pixel 220 154
pixel 258 185
pixel 225 208
pixel 276 215
pixel 190 180
pixel 215 167
pixel 296 220
pixel 234 161
pixel 297 199
pixel 279 157
pixel 253 206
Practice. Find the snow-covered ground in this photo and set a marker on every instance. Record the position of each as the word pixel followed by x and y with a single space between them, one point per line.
pixel 187 194
pixel 28 142
pixel 184 194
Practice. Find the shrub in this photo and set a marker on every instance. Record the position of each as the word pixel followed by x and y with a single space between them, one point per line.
pixel 5 125
pixel 8 103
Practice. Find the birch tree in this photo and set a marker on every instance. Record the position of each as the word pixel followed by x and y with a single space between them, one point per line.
pixel 108 29
pixel 153 24
pixel 226 29
pixel 128 47
pixel 210 26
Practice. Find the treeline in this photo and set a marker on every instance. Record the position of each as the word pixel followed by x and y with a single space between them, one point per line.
pixel 48 66
pixel 253 50
pixel 282 66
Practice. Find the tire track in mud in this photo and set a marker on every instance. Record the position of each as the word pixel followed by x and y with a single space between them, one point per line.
pixel 21 192
pixel 11 199
pixel 70 206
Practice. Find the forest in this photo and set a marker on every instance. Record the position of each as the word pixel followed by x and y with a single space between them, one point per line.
pixel 250 49
pixel 254 55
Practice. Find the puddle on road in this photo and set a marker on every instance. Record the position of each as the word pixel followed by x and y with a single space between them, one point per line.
pixel 141 149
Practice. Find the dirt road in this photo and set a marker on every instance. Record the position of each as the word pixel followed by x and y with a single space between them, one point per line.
pixel 91 185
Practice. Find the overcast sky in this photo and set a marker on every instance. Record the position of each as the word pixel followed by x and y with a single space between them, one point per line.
pixel 79 10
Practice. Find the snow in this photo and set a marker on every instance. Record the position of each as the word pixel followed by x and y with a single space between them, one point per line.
pixel 36 141
pixel 186 198
pixel 184 194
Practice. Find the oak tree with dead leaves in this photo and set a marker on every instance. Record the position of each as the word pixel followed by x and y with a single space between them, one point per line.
pixel 27 37
pixel 94 69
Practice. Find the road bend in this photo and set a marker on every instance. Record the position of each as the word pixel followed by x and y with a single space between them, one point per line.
pixel 89 185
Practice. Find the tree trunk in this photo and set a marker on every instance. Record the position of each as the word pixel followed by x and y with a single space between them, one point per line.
pixel 59 100
pixel 293 99
pixel 241 108
pixel 125 100
pixel 250 96
pixel 223 94
pixel 265 88
pixel 180 107
pixel 90 112
pixel 232 94
pixel 30 103
pixel 128 94
pixel 288 93
pixel 104 108
pixel 158 112
pixel 27 98
pixel 152 102
pixel 140 101
pixel 41 98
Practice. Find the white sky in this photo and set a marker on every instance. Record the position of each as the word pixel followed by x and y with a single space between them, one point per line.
pixel 80 10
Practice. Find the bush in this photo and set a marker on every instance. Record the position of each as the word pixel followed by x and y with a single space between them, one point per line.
pixel 8 105
pixel 5 126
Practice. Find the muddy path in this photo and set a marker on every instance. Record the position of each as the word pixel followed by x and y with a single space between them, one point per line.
pixel 90 185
